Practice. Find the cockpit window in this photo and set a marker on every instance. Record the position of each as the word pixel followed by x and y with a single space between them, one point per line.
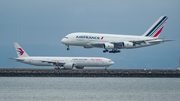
pixel 66 37
pixel 110 60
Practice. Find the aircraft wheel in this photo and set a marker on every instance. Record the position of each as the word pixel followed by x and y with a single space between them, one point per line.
pixel 104 51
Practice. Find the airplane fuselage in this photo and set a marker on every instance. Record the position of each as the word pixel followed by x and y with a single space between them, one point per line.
pixel 79 62
pixel 87 39
pixel 115 41
pixel 66 62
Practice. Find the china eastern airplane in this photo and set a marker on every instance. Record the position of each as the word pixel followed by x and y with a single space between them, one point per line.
pixel 116 42
pixel 66 62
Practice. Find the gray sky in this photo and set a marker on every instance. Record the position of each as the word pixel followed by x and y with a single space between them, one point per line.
pixel 39 25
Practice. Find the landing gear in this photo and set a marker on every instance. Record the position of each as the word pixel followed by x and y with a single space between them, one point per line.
pixel 106 68
pixel 68 47
pixel 58 65
pixel 105 50
pixel 114 51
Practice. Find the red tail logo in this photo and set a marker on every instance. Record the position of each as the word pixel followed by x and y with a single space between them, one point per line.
pixel 21 52
pixel 158 32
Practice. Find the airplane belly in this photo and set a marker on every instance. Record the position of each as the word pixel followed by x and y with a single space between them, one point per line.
pixel 79 43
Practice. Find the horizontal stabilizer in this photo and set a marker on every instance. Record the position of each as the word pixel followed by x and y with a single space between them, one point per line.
pixel 16 59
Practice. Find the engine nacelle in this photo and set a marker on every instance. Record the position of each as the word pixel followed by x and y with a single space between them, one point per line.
pixel 80 67
pixel 68 65
pixel 108 46
pixel 128 44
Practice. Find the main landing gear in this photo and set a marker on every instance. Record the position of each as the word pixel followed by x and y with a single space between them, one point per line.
pixel 58 65
pixel 105 50
pixel 113 51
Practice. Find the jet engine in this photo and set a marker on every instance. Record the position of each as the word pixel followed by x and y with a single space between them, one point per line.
pixel 128 44
pixel 108 46
pixel 68 65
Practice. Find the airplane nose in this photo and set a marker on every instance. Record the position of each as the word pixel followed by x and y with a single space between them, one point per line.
pixel 63 41
pixel 112 63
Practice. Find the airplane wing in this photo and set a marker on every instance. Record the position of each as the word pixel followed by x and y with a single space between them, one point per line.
pixel 54 62
pixel 157 41
pixel 102 44
pixel 138 42
pixel 120 44
pixel 144 41
pixel 61 63
pixel 98 44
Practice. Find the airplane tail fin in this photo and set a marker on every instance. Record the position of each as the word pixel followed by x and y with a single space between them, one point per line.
pixel 20 51
pixel 156 28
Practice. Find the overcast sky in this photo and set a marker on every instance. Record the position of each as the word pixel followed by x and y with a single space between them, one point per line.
pixel 39 25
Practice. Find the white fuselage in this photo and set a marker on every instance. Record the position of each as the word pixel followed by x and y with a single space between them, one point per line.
pixel 87 39
pixel 77 61
pixel 115 42
pixel 66 62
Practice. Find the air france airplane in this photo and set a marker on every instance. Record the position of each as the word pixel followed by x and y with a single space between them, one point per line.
pixel 116 42
pixel 66 62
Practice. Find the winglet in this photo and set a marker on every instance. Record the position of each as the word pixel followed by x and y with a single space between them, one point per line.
pixel 156 28
pixel 20 52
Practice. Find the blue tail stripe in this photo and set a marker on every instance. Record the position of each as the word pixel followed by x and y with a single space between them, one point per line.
pixel 159 27
pixel 156 26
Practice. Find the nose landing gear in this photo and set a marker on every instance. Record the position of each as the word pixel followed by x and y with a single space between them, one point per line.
pixel 68 47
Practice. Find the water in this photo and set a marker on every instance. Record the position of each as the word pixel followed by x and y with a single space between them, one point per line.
pixel 89 89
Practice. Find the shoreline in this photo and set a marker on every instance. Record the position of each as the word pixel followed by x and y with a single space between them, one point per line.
pixel 88 73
